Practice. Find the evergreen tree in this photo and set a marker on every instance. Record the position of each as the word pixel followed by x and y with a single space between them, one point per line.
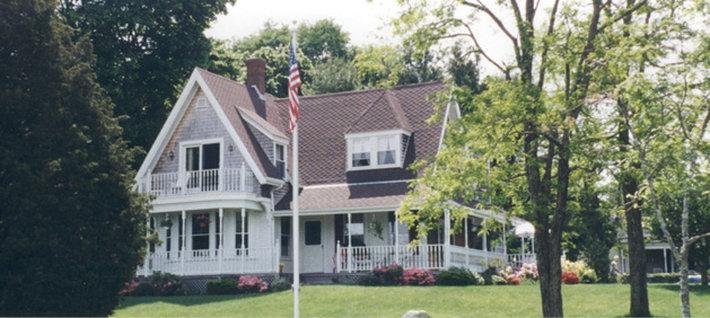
pixel 71 229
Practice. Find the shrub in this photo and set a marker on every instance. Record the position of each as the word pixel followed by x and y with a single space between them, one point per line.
pixel 570 278
pixel 279 284
pixel 458 276
pixel 498 280
pixel 622 278
pixel 143 289
pixel 528 272
pixel 129 288
pixel 389 274
pixel 488 274
pixel 368 280
pixel 166 284
pixel 513 280
pixel 589 277
pixel 222 287
pixel 418 276
pixel 252 284
pixel 581 269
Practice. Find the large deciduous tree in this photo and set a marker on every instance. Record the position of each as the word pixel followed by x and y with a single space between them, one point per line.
pixel 144 51
pixel 71 229
pixel 526 134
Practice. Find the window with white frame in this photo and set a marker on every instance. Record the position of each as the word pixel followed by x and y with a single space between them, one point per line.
pixel 380 150
pixel 280 159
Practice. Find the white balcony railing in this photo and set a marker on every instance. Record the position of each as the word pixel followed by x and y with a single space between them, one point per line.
pixel 212 262
pixel 199 181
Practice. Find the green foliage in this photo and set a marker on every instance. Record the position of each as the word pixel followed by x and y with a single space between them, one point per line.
pixel 664 278
pixel 160 284
pixel 458 276
pixel 323 40
pixel 488 275
pixel 222 287
pixel 378 66
pixel 279 284
pixel 71 229
pixel 334 75
pixel 144 51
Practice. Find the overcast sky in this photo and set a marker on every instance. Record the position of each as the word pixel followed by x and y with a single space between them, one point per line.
pixel 367 22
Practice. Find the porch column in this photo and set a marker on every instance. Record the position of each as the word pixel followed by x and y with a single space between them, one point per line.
pixel 221 238
pixel 447 238
pixel 484 244
pixel 665 261
pixel 465 238
pixel 184 244
pixel 243 245
pixel 350 245
pixel 146 261
pixel 396 238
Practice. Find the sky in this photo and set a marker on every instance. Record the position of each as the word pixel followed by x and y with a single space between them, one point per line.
pixel 367 22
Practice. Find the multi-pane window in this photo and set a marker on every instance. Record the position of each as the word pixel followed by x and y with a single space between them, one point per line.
pixel 238 236
pixel 200 231
pixel 386 150
pixel 376 151
pixel 356 229
pixel 201 158
pixel 285 235
pixel 280 159
pixel 361 152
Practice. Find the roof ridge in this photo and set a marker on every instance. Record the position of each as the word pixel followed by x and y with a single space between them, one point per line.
pixel 397 110
pixel 362 91
pixel 367 110
pixel 231 80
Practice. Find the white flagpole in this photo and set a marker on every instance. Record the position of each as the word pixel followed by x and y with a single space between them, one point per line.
pixel 295 221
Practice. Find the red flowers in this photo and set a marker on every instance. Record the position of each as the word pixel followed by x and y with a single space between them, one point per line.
pixel 249 283
pixel 418 276
pixel 570 278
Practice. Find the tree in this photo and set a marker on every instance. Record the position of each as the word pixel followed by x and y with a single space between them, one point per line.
pixel 144 51
pixel 526 134
pixel 464 73
pixel 378 66
pixel 323 40
pixel 419 67
pixel 71 228
pixel 335 75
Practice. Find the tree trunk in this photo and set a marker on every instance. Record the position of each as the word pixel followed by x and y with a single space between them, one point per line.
pixel 684 291
pixel 638 306
pixel 550 271
pixel 704 273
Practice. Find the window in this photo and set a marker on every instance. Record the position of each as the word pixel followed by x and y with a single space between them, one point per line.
pixel 238 231
pixel 168 234
pixel 180 241
pixel 377 151
pixel 202 102
pixel 361 152
pixel 201 162
pixel 285 236
pixel 217 231
pixel 386 150
pixel 280 159
pixel 312 232
pixel 200 231
pixel 356 229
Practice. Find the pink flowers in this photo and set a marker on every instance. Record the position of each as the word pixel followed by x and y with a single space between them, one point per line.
pixel 250 283
pixel 418 276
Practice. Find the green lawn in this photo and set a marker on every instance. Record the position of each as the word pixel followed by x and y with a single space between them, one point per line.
pixel 473 301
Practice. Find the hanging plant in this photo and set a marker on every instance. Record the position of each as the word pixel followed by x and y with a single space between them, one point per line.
pixel 203 220
pixel 376 228
pixel 166 223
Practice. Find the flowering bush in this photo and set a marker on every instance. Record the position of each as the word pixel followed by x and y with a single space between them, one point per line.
pixel 585 273
pixel 570 278
pixel 253 284
pixel 128 288
pixel 389 274
pixel 458 276
pixel 529 272
pixel 418 276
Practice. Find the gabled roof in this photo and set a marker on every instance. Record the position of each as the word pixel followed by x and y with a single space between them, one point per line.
pixel 385 113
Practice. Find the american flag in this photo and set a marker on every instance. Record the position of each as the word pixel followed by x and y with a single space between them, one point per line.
pixel 294 82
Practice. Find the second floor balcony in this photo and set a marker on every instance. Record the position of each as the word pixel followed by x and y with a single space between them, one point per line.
pixel 173 184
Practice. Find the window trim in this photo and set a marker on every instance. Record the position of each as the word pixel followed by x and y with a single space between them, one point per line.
pixel 285 152
pixel 373 142
pixel 199 143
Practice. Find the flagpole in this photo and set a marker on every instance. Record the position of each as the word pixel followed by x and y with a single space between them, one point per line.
pixel 295 223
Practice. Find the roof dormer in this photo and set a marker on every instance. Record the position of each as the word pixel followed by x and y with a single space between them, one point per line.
pixel 376 150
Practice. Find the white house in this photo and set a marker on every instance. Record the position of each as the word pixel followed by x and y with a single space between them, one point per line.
pixel 219 174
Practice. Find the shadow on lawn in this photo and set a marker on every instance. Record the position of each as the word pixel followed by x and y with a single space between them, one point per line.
pixel 695 289
pixel 188 300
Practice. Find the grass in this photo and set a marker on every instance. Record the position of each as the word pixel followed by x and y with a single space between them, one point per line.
pixel 355 301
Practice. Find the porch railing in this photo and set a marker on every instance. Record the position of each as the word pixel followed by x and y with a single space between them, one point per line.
pixel 199 181
pixel 517 260
pixel 212 262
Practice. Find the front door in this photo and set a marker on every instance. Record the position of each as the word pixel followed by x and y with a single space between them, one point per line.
pixel 312 245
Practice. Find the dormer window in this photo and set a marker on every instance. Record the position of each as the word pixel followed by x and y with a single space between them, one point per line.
pixel 280 159
pixel 377 150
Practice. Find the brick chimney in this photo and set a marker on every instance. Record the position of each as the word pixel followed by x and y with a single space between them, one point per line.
pixel 256 74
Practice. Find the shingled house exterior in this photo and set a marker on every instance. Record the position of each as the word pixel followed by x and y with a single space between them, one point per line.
pixel 219 175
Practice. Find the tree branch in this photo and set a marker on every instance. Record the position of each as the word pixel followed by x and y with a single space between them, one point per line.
pixel 546 45
pixel 480 50
pixel 480 6
pixel 624 13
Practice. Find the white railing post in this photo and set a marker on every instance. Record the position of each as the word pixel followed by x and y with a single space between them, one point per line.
pixel 243 256
pixel 447 238
pixel 350 245
pixel 338 257
pixel 243 178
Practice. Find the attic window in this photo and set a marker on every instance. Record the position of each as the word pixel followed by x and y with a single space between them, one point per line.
pixel 375 150
pixel 201 102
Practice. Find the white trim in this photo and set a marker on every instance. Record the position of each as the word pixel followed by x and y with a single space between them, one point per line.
pixel 332 185
pixel 338 211
pixel 179 109
pixel 248 118
pixel 285 159
pixel 373 140
pixel 183 145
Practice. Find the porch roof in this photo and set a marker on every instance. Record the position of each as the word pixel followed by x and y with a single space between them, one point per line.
pixel 348 197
